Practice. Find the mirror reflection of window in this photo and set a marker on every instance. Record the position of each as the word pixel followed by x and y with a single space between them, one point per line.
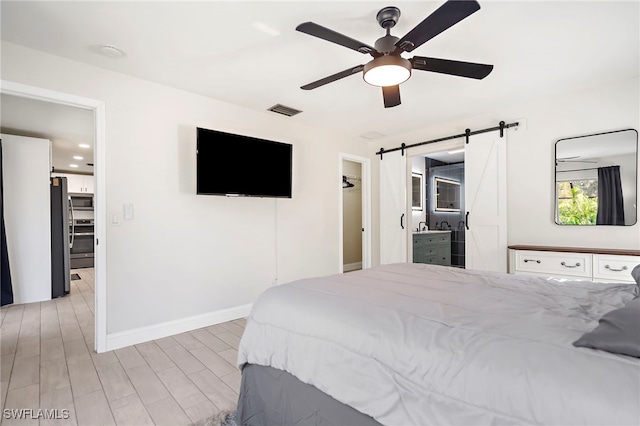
pixel 447 195
pixel 596 179
pixel 417 191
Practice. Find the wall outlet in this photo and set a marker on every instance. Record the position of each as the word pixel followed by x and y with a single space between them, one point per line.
pixel 115 220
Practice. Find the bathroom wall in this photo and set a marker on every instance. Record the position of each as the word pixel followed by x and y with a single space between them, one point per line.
pixel 417 216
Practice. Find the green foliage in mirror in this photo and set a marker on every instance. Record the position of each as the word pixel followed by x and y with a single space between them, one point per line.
pixel 578 202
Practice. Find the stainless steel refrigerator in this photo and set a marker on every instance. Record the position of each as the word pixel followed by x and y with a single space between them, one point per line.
pixel 60 237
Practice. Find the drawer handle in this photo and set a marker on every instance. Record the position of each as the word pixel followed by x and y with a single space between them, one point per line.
pixel 532 260
pixel 624 268
pixel 570 266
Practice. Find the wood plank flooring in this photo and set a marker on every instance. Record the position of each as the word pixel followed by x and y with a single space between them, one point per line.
pixel 48 362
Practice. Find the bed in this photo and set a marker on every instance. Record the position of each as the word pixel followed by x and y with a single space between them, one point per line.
pixel 416 344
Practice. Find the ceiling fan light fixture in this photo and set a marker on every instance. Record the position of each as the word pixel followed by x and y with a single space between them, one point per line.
pixel 387 70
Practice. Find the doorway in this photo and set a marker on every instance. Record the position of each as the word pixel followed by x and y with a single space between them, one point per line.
pixel 484 201
pixel 438 204
pixel 355 213
pixel 351 216
pixel 98 112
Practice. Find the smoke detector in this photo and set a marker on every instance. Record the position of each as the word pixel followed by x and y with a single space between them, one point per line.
pixel 111 51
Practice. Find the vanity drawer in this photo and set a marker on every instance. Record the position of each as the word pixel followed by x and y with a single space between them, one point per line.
pixel 429 240
pixel 443 259
pixel 553 263
pixel 608 267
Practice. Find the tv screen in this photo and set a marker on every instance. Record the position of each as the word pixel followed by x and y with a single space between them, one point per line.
pixel 236 165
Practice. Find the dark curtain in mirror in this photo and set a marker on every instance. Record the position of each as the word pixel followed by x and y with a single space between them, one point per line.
pixel 6 290
pixel 610 201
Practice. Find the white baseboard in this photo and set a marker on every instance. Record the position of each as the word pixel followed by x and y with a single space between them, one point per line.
pixel 351 267
pixel 169 328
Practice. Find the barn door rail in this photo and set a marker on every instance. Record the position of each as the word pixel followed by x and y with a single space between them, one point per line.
pixel 501 127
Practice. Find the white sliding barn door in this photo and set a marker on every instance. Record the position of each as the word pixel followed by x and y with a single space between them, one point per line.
pixel 486 202
pixel 393 205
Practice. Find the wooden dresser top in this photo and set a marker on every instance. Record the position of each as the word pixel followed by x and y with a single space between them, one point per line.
pixel 619 252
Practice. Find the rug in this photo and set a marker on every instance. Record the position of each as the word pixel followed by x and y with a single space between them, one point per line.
pixel 224 418
pixel 75 277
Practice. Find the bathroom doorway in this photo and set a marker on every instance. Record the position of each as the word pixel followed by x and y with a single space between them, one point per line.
pixel 438 179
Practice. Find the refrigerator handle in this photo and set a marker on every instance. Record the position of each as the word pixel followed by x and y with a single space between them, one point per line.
pixel 73 224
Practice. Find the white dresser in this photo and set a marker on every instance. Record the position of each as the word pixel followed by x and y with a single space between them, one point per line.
pixel 590 264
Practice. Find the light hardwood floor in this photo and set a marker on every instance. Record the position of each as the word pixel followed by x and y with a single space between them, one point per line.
pixel 48 362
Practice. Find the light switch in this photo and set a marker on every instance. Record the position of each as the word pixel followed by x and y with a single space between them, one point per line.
pixel 115 219
pixel 128 211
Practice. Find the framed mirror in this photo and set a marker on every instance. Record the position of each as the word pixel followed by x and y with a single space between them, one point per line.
pixel 447 195
pixel 596 179
pixel 417 191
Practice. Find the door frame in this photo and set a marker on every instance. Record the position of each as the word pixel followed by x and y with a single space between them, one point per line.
pixel 365 164
pixel 100 209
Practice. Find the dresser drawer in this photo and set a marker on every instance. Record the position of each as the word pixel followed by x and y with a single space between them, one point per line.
pixel 611 267
pixel 554 263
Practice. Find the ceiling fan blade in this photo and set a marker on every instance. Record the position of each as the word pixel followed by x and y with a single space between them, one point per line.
pixel 448 66
pixel 334 37
pixel 332 78
pixel 446 16
pixel 391 95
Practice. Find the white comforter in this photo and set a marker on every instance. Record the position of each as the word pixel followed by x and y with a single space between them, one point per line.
pixel 413 344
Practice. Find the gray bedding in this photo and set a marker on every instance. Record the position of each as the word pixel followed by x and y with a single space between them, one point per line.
pixel 274 397
pixel 414 344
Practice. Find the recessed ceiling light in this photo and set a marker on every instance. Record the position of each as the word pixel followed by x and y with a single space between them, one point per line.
pixel 455 151
pixel 77 157
pixel 84 145
pixel 111 51
pixel 73 165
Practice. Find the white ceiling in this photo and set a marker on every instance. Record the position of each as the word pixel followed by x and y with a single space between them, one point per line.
pixel 218 49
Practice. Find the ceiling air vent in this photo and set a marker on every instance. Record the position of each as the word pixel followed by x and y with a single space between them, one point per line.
pixel 284 110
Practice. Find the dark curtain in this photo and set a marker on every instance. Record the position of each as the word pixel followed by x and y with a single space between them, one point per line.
pixel 610 202
pixel 6 289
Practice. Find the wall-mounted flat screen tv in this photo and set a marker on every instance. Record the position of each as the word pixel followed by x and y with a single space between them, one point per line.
pixel 236 165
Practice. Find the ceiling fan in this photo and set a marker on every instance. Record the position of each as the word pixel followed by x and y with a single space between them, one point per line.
pixel 388 69
pixel 574 159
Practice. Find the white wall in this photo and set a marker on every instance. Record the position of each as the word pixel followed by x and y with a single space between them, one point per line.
pixel 185 255
pixel 530 153
pixel 26 164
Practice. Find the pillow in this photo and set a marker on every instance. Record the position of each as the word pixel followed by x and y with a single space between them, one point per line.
pixel 635 273
pixel 618 331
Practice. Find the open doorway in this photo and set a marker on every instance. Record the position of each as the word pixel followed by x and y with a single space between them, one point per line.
pixel 96 112
pixel 355 216
pixel 351 216
pixel 437 201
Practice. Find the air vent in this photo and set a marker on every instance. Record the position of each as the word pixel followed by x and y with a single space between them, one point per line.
pixel 284 110
pixel 371 135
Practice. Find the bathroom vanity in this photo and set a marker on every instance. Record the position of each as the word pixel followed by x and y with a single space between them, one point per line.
pixel 433 247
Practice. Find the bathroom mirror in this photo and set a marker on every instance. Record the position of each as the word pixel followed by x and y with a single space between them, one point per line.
pixel 447 195
pixel 417 191
pixel 596 179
